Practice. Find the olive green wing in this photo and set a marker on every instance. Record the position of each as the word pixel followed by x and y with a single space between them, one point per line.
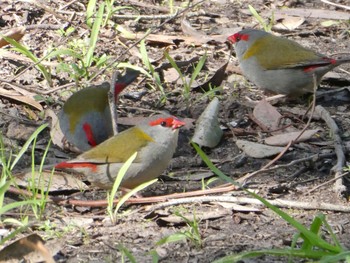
pixel 119 148
pixel 277 53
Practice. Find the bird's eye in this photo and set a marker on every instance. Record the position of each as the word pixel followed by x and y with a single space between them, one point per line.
pixel 163 123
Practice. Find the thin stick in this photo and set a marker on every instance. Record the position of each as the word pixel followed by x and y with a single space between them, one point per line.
pixel 339 187
pixel 244 179
pixel 309 205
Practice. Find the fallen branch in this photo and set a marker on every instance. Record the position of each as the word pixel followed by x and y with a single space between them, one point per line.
pixel 339 187
pixel 309 205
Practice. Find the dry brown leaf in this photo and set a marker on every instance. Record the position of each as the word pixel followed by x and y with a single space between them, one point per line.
pixel 258 150
pixel 187 29
pixel 290 23
pixel 314 13
pixel 29 249
pixel 52 182
pixel 55 131
pixel 285 138
pixel 15 33
pixel 175 40
pixel 19 97
pixel 214 81
pixel 266 115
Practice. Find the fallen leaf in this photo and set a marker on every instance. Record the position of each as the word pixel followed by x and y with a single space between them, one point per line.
pixel 208 132
pixel 27 249
pixel 266 116
pixel 55 131
pixel 309 12
pixel 15 33
pixel 258 150
pixel 290 23
pixel 214 81
pixel 19 97
pixel 57 181
pixel 285 138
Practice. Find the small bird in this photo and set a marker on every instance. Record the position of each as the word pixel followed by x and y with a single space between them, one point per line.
pixel 85 118
pixel 155 143
pixel 278 64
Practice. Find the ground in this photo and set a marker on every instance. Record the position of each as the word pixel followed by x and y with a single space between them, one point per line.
pixel 85 234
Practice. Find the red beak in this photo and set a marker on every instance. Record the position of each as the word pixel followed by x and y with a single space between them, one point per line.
pixel 177 123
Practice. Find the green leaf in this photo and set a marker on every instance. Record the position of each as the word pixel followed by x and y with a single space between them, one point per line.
pixel 94 36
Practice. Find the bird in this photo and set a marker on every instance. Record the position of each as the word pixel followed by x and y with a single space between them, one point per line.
pixel 85 118
pixel 278 64
pixel 154 141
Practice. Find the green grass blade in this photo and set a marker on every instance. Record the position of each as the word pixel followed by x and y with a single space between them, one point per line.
pixel 124 251
pixel 13 205
pixel 94 36
pixel 341 257
pixel 65 52
pixel 90 10
pixel 119 178
pixel 314 228
pixel 312 238
pixel 172 238
pixel 258 17
pixel 26 52
pixel 272 252
pixel 125 197
pixel 174 65
pixel 27 144
pixel 197 69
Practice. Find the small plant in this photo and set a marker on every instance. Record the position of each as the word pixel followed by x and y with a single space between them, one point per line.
pixel 206 183
pixel 125 253
pixel 114 212
pixel 267 27
pixel 314 246
pixel 187 85
pixel 154 75
pixel 110 10
pixel 81 52
pixel 26 52
pixel 6 180
pixel 192 233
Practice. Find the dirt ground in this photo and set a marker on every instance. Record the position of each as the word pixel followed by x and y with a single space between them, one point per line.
pixel 85 234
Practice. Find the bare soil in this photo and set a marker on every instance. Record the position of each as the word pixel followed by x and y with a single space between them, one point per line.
pixel 85 234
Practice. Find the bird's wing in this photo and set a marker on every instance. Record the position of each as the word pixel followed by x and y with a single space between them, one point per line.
pixel 117 149
pixel 277 53
pixel 84 101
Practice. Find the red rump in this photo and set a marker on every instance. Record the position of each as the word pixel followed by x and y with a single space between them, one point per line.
pixel 65 165
pixel 118 87
pixel 89 135
pixel 327 61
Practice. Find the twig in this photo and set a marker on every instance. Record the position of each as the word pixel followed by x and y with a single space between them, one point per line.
pixel 337 5
pixel 329 181
pixel 244 179
pixel 309 205
pixel 140 200
pixel 339 187
pixel 153 17
pixel 153 29
pixel 112 101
